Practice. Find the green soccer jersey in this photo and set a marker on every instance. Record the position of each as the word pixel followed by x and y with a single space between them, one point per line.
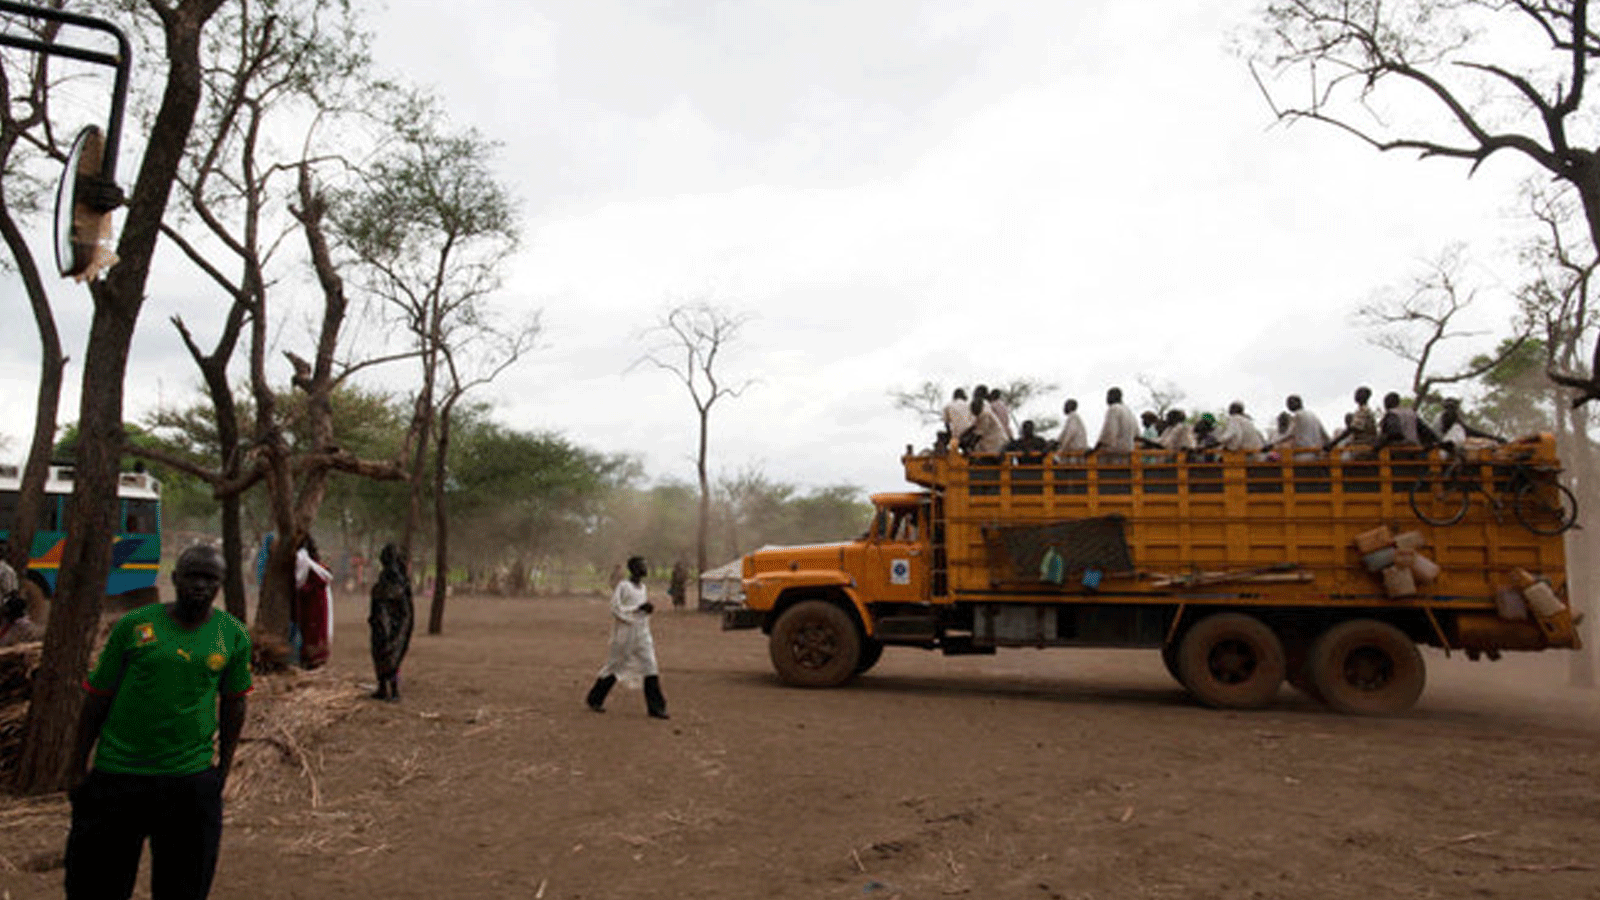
pixel 164 682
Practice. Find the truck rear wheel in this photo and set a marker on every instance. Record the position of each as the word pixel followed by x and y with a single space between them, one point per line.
pixel 815 644
pixel 1367 667
pixel 1231 660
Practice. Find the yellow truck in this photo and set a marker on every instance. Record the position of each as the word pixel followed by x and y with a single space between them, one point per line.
pixel 1245 570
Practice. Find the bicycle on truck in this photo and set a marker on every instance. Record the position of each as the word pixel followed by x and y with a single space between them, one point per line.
pixel 1538 500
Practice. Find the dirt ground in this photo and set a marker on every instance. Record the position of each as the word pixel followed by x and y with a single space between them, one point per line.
pixel 1032 774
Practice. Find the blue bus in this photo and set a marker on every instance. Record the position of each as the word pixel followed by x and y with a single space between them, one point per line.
pixel 136 555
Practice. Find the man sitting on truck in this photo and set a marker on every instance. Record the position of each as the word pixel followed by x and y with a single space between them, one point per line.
pixel 1239 432
pixel 985 436
pixel 1401 425
pixel 1305 429
pixel 1118 431
pixel 1031 446
pixel 1361 426
pixel 1074 437
pixel 957 418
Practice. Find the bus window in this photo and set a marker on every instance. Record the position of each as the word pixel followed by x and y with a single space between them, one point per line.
pixel 140 516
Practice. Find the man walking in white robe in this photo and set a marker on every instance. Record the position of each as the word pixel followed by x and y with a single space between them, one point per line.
pixel 633 650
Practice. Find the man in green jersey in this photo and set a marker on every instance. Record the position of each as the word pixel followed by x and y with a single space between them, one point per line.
pixel 166 698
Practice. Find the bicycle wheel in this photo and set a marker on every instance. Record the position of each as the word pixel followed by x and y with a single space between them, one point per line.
pixel 1438 501
pixel 1545 507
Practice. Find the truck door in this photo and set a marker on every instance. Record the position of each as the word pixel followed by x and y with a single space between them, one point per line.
pixel 897 556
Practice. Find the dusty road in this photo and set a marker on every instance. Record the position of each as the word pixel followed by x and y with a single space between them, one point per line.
pixel 1053 774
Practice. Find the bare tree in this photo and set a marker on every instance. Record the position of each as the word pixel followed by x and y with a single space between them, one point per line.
pixel 1415 321
pixel 1491 75
pixel 686 342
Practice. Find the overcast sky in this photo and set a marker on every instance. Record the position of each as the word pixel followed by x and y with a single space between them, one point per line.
pixel 894 191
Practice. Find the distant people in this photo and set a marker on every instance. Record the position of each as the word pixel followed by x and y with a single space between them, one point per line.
pixel 678 586
pixel 390 617
pixel 1305 429
pixel 1029 444
pixel 1456 434
pixel 1205 431
pixel 988 438
pixel 1119 429
pixel 165 707
pixel 15 626
pixel 1284 423
pixel 1361 425
pixel 1150 426
pixel 1176 435
pixel 1002 412
pixel 617 575
pixel 1074 436
pixel 1401 425
pixel 313 605
pixel 1239 431
pixel 957 419
pixel 633 650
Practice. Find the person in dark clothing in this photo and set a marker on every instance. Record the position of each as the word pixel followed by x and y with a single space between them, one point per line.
pixel 391 618
pixel 1030 445
pixel 1401 425
pixel 678 587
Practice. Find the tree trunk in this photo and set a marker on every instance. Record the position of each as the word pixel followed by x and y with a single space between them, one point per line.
pixel 702 533
pixel 85 560
pixel 441 528
pixel 47 403
pixel 52 722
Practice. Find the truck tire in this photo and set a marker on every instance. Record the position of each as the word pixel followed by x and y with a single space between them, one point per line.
pixel 1169 658
pixel 1367 667
pixel 871 652
pixel 815 644
pixel 1231 660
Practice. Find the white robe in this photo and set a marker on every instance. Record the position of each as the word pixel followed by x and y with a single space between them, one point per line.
pixel 633 650
pixel 1118 430
pixel 1239 432
pixel 991 434
pixel 957 419
pixel 304 565
pixel 1074 437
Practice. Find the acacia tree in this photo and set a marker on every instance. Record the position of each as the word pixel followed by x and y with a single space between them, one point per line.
pixel 117 300
pixel 1413 322
pixel 1449 79
pixel 432 226
pixel 686 342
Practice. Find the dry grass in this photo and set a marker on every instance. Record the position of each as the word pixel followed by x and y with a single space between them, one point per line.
pixel 287 712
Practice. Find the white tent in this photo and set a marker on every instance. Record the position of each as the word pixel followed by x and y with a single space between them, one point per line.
pixel 722 586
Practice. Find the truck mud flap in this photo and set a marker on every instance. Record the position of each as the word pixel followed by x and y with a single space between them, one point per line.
pixel 741 618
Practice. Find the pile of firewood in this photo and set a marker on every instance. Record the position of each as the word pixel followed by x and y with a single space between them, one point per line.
pixel 17 665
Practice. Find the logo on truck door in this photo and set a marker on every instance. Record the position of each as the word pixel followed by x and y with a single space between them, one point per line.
pixel 900 571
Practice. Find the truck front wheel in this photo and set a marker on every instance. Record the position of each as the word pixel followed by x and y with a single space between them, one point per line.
pixel 1367 667
pixel 815 644
pixel 1231 660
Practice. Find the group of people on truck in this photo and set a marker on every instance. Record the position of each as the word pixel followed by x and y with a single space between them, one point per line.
pixel 982 426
